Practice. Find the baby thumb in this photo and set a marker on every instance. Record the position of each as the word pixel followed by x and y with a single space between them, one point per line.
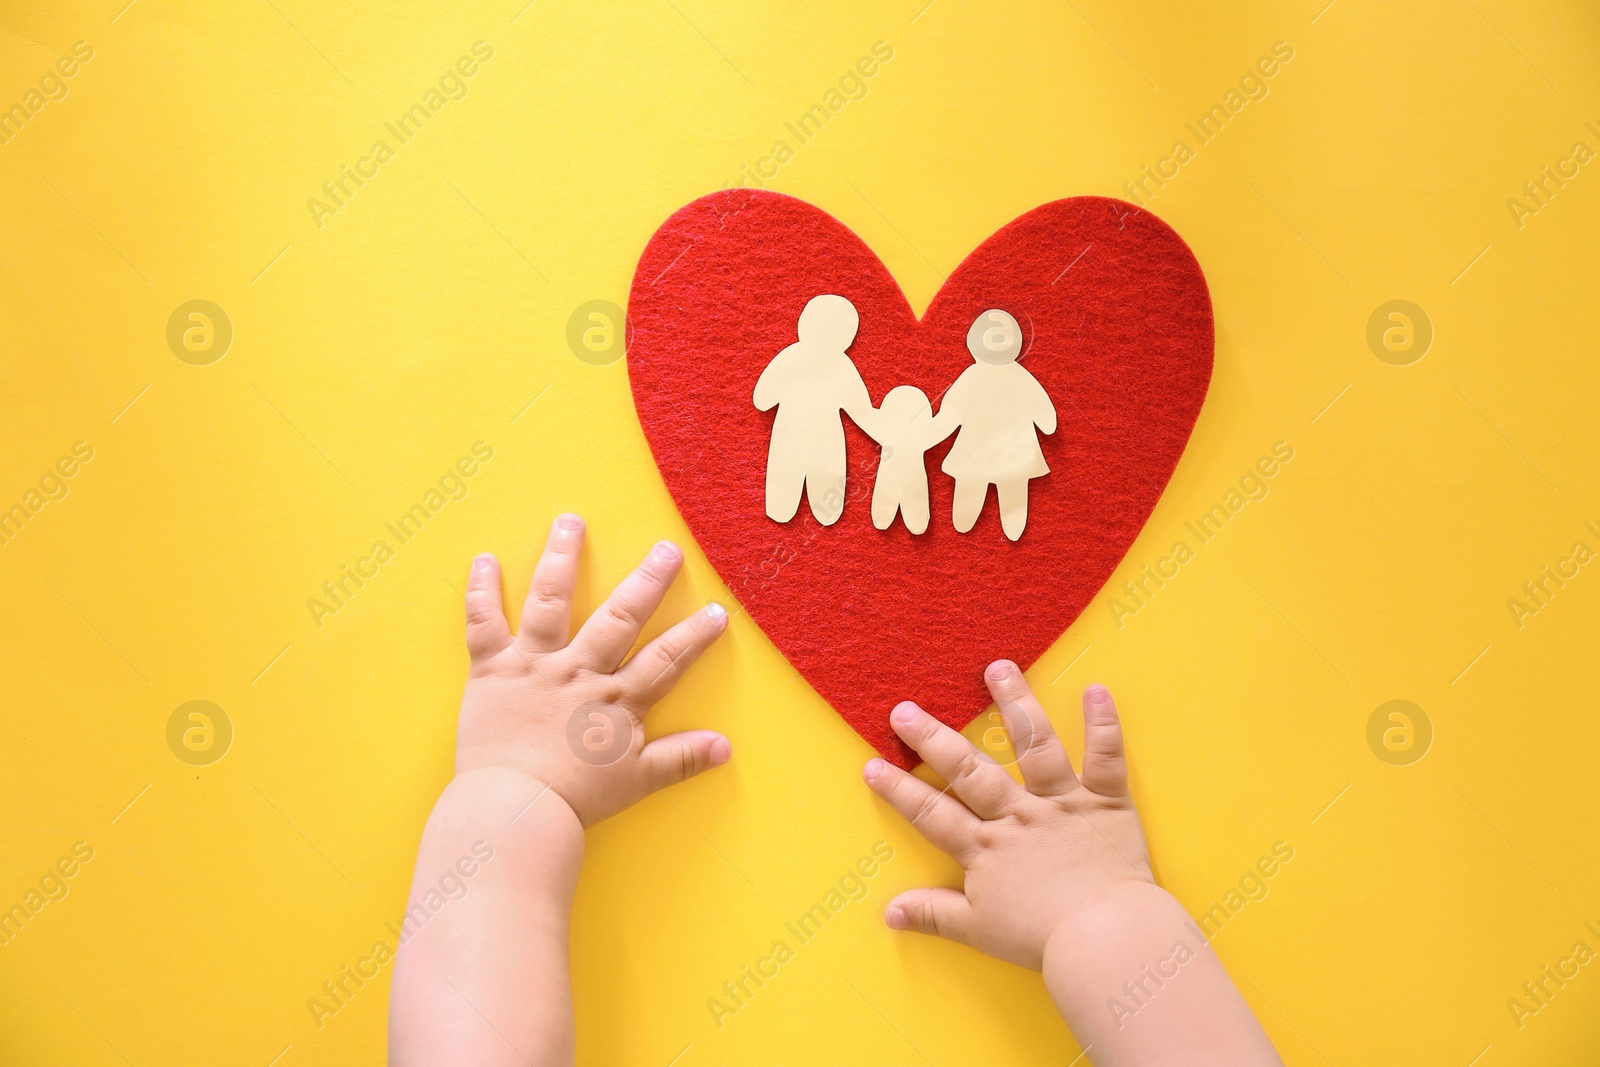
pixel 671 759
pixel 941 912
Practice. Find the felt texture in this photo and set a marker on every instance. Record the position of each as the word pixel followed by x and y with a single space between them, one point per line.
pixel 1117 327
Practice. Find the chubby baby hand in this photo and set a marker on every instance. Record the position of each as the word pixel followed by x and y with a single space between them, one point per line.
pixel 568 710
pixel 1034 855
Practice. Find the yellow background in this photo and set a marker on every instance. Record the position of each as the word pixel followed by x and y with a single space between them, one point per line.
pixel 370 353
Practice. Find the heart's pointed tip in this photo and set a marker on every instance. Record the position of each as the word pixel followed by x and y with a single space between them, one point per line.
pixel 901 755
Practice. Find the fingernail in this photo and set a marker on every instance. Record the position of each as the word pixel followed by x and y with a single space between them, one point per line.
pixel 895 916
pixel 666 550
pixel 721 751
pixel 873 768
pixel 483 562
pixel 1099 694
pixel 569 522
pixel 717 612
pixel 1001 669
pixel 904 713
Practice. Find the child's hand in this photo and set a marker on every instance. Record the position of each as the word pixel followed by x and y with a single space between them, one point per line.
pixel 1034 856
pixel 870 419
pixel 570 712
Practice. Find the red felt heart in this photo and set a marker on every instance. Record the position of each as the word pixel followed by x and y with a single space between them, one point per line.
pixel 1118 330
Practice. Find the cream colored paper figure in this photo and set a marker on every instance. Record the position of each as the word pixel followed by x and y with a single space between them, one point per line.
pixel 810 383
pixel 999 407
pixel 906 429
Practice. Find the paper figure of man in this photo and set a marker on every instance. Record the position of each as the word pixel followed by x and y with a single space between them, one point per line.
pixel 810 383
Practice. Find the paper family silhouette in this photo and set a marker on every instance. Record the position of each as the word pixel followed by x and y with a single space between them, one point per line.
pixel 995 408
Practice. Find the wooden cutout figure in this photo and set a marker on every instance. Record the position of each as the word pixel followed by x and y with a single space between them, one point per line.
pixel 906 429
pixel 810 383
pixel 998 406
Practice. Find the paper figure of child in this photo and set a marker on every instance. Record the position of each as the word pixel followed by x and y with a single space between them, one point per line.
pixel 810 383
pixel 906 429
pixel 998 406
